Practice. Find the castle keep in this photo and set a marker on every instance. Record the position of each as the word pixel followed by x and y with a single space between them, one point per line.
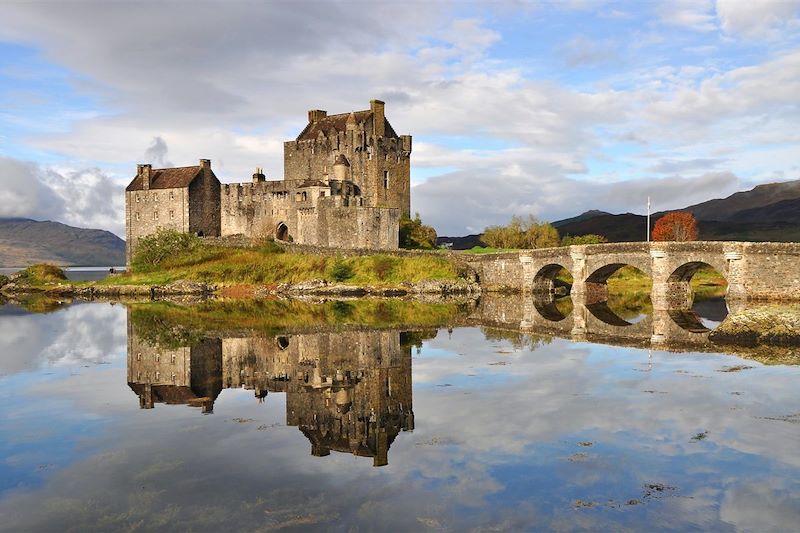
pixel 346 183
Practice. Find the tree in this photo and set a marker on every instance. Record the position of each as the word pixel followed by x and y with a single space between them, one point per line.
pixel 589 238
pixel 521 233
pixel 676 226
pixel 415 234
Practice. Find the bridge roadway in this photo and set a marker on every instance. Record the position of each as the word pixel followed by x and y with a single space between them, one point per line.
pixel 753 270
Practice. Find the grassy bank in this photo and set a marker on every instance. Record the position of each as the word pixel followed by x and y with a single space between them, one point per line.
pixel 269 265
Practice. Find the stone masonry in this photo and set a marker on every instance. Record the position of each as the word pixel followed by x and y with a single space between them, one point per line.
pixel 346 184
pixel 754 271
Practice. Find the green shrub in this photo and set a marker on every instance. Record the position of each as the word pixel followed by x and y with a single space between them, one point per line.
pixel 41 273
pixel 383 266
pixel 589 238
pixel 341 271
pixel 154 249
pixel 415 234
pixel 4 280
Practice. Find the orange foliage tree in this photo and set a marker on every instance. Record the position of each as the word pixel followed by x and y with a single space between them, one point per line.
pixel 676 226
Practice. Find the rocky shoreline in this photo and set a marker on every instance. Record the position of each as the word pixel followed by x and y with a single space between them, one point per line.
pixel 317 287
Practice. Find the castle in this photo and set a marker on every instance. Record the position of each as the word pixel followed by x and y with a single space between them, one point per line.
pixel 346 184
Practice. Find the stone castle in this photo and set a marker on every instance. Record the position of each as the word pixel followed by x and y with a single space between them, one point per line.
pixel 346 184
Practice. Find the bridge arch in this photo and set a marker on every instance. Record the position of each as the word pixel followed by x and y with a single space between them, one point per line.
pixel 544 280
pixel 682 294
pixel 686 271
pixel 595 287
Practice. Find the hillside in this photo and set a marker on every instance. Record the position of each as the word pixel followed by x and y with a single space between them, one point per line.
pixel 769 212
pixel 24 242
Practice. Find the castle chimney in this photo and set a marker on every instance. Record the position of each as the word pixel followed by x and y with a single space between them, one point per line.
pixel 378 117
pixel 259 176
pixel 205 163
pixel 315 115
pixel 405 143
pixel 146 173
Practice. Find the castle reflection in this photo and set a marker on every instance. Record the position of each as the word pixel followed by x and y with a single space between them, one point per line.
pixel 347 391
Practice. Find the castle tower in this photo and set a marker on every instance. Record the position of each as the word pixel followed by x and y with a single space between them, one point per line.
pixel 379 158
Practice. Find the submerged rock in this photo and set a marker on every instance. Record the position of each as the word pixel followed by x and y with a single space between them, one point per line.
pixel 770 324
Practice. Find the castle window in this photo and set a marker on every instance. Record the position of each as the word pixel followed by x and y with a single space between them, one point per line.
pixel 137 198
pixel 139 356
pixel 155 196
pixel 173 359
pixel 158 358
pixel 158 376
pixel 172 215
pixel 155 215
pixel 171 195
pixel 385 179
pixel 138 216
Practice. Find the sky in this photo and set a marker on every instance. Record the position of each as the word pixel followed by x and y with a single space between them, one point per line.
pixel 544 108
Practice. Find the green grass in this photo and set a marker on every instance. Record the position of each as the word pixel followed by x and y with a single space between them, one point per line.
pixel 486 250
pixel 269 265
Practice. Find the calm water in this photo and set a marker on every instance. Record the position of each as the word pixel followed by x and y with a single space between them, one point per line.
pixel 118 419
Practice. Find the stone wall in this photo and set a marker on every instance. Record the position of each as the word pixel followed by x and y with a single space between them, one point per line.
pixel 256 209
pixel 379 164
pixel 204 203
pixel 770 270
pixel 373 228
pixel 148 211
pixel 498 272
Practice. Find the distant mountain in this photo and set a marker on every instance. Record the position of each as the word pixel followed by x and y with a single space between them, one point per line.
pixel 759 197
pixel 580 218
pixel 769 212
pixel 460 243
pixel 616 228
pixel 24 242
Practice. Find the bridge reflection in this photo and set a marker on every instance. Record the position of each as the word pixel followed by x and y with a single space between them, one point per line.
pixel 569 317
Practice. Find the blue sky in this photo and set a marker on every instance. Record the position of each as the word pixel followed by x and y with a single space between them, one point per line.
pixel 550 108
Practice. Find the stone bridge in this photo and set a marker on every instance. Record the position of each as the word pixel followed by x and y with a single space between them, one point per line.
pixel 754 271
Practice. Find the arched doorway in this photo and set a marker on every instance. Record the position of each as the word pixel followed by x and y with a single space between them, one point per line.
pixel 282 232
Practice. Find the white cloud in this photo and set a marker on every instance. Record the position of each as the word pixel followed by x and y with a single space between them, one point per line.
pixel 763 19
pixel 236 94
pixel 81 197
pixel 694 14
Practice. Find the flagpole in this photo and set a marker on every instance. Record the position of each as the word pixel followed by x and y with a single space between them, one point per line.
pixel 648 219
